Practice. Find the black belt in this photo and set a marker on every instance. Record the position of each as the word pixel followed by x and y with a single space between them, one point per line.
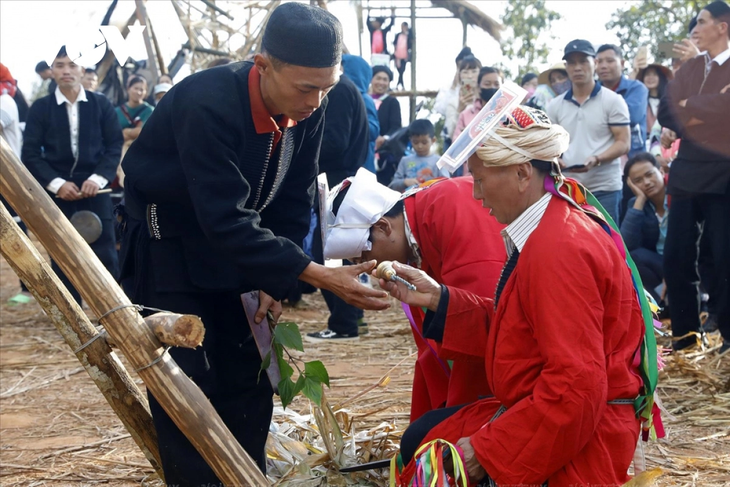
pixel 166 221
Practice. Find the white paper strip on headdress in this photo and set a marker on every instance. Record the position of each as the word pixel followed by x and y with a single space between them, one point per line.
pixel 503 102
pixel 323 191
pixel 346 235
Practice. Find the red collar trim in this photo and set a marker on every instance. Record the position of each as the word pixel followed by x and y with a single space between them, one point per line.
pixel 262 119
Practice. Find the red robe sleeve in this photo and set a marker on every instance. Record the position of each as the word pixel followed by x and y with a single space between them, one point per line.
pixel 466 309
pixel 545 430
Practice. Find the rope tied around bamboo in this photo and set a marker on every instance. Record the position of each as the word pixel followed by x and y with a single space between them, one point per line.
pixel 171 329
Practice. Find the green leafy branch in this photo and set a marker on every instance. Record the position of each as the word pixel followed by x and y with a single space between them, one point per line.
pixel 286 336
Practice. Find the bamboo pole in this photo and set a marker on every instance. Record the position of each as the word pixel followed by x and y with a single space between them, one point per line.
pixel 173 329
pixel 183 401
pixel 100 362
pixel 151 56
pixel 158 51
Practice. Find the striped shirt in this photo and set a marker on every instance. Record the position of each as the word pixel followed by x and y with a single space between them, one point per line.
pixel 515 235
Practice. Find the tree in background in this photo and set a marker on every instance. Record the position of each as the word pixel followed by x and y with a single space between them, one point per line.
pixel 651 22
pixel 526 21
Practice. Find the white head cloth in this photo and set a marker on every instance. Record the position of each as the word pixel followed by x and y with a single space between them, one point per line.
pixel 366 201
pixel 524 135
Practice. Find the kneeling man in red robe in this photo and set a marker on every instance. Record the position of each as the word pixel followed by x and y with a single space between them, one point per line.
pixel 441 229
pixel 559 339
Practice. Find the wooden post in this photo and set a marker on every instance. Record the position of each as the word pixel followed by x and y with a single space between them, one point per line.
pixel 100 362
pixel 413 61
pixel 464 26
pixel 183 401
pixel 156 45
pixel 151 56
pixel 360 26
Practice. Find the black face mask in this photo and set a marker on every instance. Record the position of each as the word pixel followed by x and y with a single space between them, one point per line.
pixel 487 93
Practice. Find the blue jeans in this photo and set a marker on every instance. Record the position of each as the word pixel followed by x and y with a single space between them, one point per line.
pixel 611 201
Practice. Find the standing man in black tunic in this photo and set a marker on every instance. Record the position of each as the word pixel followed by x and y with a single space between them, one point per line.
pixel 219 186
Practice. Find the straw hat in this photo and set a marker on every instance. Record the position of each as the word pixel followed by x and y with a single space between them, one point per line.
pixel 544 78
pixel 667 72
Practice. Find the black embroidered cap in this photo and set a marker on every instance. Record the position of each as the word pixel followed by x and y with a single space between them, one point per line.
pixel 304 36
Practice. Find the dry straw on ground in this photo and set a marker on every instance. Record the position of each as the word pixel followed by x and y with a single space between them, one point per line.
pixel 57 429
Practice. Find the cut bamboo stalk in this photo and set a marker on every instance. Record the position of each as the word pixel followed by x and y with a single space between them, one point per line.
pixel 183 401
pixel 100 362
pixel 173 329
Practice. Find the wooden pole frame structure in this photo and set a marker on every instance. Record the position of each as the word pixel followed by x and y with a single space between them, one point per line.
pixel 179 396
pixel 101 363
pixel 141 12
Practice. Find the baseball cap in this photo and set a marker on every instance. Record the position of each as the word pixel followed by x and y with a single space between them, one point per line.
pixel 579 45
pixel 162 88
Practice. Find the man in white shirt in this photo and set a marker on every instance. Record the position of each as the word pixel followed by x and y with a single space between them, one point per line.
pixel 597 120
pixel 72 146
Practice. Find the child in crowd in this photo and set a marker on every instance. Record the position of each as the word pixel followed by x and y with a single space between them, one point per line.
pixel 419 167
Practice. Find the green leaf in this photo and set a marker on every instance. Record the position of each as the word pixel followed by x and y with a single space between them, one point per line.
pixel 285 369
pixel 313 390
pixel 299 385
pixel 287 335
pixel 287 391
pixel 265 363
pixel 315 370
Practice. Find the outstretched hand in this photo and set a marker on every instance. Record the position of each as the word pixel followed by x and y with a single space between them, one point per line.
pixel 427 293
pixel 344 283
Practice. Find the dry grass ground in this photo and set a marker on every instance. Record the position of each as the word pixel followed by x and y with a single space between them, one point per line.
pixel 57 429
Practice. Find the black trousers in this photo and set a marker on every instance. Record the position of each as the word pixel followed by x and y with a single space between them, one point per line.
pixel 689 218
pixel 417 430
pixel 708 274
pixel 343 317
pixel 105 247
pixel 401 69
pixel 649 265
pixel 225 368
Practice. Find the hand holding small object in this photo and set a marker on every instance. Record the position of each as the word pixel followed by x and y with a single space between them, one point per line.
pixel 427 292
pixel 385 271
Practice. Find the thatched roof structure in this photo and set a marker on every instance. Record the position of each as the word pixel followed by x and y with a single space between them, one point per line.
pixel 471 15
